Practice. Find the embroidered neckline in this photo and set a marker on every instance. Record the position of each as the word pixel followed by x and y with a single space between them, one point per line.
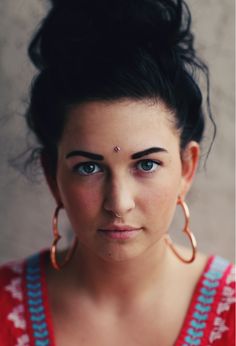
pixel 37 301
pixel 202 303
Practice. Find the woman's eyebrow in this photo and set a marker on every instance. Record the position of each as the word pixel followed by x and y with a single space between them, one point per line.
pixel 147 151
pixel 99 157
pixel 91 156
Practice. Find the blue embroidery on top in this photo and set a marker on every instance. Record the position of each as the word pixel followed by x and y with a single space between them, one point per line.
pixel 35 302
pixel 205 301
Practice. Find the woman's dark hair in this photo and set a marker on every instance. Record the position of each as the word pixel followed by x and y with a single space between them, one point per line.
pixel 113 49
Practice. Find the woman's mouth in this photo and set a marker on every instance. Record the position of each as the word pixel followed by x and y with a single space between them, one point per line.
pixel 119 232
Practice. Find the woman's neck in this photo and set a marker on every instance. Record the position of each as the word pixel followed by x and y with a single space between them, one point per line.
pixel 121 280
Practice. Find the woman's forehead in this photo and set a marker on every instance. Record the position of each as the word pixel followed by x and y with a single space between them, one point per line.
pixel 127 124
pixel 127 113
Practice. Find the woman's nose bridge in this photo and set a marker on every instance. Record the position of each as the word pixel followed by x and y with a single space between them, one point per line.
pixel 119 195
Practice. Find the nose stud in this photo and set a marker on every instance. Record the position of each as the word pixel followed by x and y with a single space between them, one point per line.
pixel 117 215
pixel 116 149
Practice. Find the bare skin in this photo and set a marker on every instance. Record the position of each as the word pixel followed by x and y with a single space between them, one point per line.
pixel 130 291
pixel 116 311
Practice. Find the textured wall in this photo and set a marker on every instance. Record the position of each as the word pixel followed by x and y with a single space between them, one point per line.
pixel 26 208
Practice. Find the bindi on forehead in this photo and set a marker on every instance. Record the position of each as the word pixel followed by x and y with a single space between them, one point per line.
pixel 116 149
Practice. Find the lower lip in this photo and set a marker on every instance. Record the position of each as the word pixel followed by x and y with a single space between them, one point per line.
pixel 122 235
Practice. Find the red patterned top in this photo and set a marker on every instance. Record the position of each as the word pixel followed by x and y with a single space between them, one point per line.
pixel 25 318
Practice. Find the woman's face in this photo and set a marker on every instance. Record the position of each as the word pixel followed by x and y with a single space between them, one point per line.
pixel 140 180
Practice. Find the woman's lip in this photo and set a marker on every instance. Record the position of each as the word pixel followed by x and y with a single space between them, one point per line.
pixel 120 234
pixel 119 228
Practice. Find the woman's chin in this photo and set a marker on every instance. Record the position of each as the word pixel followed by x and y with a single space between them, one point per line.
pixel 112 252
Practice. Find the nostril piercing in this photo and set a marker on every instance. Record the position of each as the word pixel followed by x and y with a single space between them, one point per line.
pixel 117 215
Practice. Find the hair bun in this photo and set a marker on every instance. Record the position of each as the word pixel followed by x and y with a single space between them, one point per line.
pixel 113 49
pixel 81 28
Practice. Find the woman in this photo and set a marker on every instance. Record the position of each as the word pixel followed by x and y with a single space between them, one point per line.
pixel 117 111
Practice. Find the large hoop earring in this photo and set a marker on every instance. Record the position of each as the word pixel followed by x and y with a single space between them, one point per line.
pixel 53 252
pixel 187 232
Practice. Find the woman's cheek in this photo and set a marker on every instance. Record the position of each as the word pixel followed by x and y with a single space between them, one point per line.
pixel 159 208
pixel 82 200
pixel 81 209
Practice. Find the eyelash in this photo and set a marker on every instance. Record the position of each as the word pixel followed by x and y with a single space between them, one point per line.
pixel 153 162
pixel 77 168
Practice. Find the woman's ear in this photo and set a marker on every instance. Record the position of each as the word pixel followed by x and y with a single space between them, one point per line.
pixel 51 180
pixel 190 158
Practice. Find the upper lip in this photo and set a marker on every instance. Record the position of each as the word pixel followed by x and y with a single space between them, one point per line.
pixel 119 228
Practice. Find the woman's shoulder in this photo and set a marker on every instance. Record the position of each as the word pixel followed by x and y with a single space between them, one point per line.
pixel 219 275
pixel 212 312
pixel 220 280
pixel 10 277
pixel 12 323
pixel 14 275
pixel 219 268
pixel 13 289
pixel 13 271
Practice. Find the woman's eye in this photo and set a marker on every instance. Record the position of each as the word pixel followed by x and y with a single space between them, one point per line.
pixel 87 168
pixel 148 166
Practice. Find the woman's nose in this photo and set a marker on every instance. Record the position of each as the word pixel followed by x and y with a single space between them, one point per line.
pixel 119 199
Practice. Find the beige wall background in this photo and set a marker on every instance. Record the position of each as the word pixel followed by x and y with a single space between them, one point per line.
pixel 26 208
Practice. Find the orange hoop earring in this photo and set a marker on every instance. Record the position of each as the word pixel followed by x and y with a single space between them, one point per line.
pixel 53 252
pixel 187 232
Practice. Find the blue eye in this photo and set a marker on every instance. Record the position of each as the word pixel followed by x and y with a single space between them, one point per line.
pixel 148 166
pixel 87 168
